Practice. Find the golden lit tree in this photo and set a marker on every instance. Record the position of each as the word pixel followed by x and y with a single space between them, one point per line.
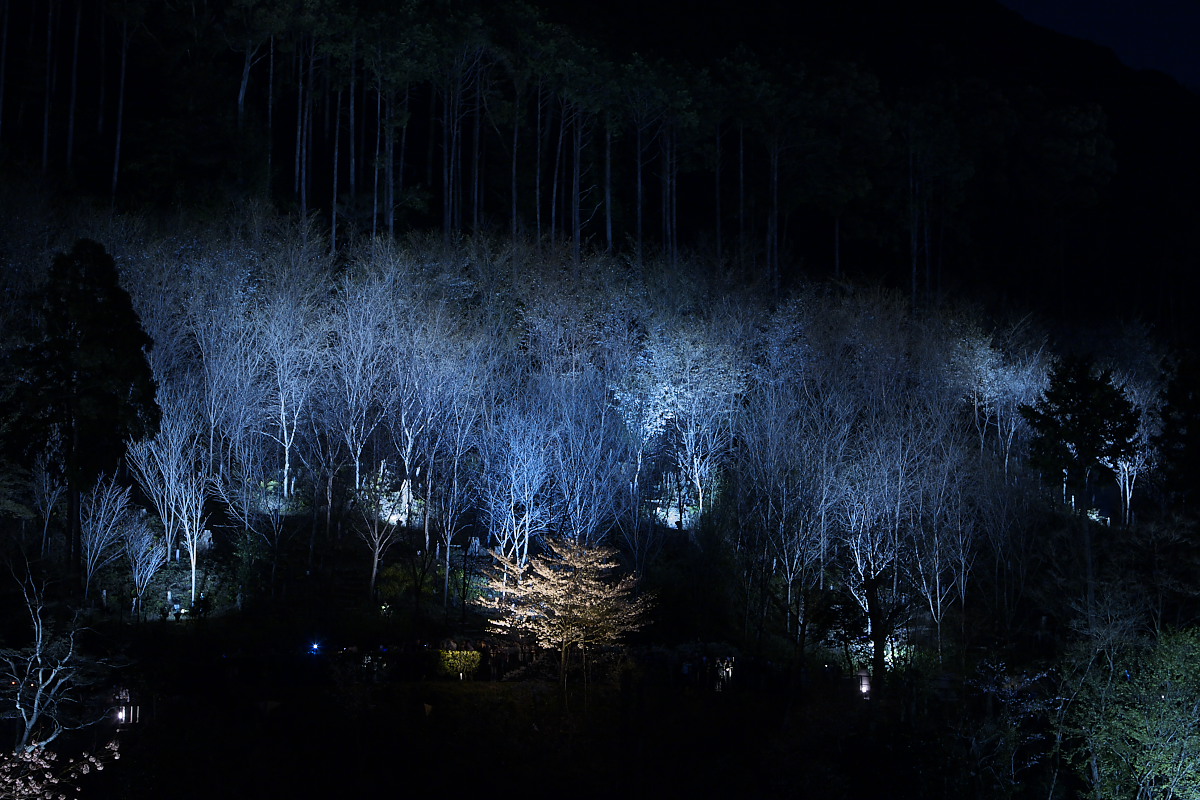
pixel 563 600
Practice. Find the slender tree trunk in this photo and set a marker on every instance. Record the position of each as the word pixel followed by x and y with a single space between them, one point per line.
pixel 270 113
pixel 513 167
pixel 640 191
pixel 337 135
pixel 120 106
pixel 447 164
pixel 299 122
pixel 74 88
pixel 247 64
pixel 375 168
pixel 741 193
pixel 49 85
pixel 554 180
pixel 477 161
pixel 576 189
pixel 4 63
pixel 608 209
pixel 389 162
pixel 717 194
pixel 102 95
pixel 773 222
pixel 537 181
pixel 353 121
pixel 403 158
pixel 306 162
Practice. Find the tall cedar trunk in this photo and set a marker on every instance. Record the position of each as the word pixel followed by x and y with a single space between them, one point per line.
pixel 638 215
pixel 120 106
pixel 513 163
pixel 402 158
pixel 247 63
pixel 375 167
pixel 353 152
pixel 537 179
pixel 49 85
pixel 717 194
pixel 295 169
pixel 878 619
pixel 74 88
pixel 447 163
pixel 741 193
pixel 299 122
pixel 576 189
pixel 102 95
pixel 431 139
pixel 270 112
pixel 608 210
pixel 4 62
pixel 333 194
pixel 389 171
pixel 477 161
pixel 306 164
pixel 554 176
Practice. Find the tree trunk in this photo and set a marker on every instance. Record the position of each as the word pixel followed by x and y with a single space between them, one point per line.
pixel 717 194
pixel 375 169
pixel 513 164
pixel 353 122
pixel 270 112
pixel 48 91
pixel 878 619
pixel 640 196
pixel 299 122
pixel 576 189
pixel 337 135
pixel 608 209
pixel 120 106
pixel 74 88
pixel 4 64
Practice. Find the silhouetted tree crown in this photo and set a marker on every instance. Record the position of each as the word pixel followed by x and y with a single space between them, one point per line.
pixel 1082 423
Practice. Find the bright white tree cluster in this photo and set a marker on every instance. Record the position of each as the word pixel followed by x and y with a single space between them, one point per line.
pixel 838 441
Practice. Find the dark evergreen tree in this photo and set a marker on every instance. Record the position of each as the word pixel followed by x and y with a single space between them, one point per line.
pixel 82 378
pixel 1082 425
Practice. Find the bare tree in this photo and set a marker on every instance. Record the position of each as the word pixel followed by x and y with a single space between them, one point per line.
pixel 146 555
pixel 48 489
pixel 358 357
pixel 455 437
pixel 588 463
pixel 101 519
pixel 290 334
pixel 1146 396
pixel 380 508
pixel 703 370
pixel 39 679
pixel 169 469
pixel 515 490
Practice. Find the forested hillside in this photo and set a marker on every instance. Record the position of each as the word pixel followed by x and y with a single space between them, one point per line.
pixel 822 375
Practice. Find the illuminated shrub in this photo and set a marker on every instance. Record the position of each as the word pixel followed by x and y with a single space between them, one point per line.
pixel 453 663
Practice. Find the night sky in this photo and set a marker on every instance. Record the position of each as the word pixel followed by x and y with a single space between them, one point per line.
pixel 1145 34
